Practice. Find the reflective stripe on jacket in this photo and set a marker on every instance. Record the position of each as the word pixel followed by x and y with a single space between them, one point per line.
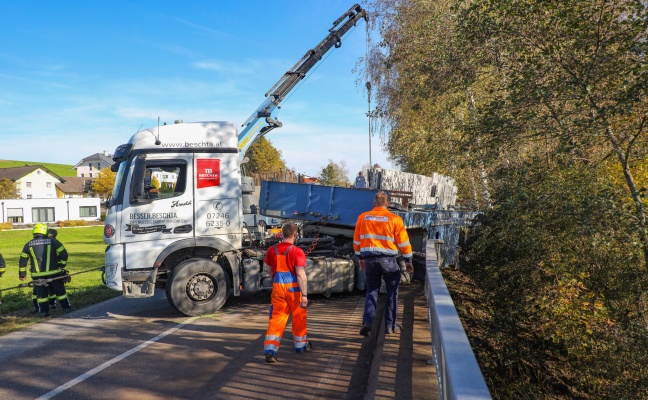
pixel 381 233
pixel 46 257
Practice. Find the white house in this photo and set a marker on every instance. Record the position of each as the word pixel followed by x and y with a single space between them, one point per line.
pixel 33 181
pixel 90 166
pixel 22 211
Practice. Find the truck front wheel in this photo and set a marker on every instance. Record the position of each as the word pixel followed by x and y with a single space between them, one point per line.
pixel 197 287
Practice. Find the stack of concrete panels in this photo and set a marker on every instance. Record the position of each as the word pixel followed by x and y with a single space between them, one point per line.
pixel 437 190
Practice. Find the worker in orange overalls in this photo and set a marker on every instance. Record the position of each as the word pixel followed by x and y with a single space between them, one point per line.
pixel 287 264
pixel 378 238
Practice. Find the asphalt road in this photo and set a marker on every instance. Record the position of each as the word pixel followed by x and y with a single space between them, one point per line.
pixel 143 349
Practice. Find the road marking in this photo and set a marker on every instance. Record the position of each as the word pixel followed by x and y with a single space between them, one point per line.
pixel 117 359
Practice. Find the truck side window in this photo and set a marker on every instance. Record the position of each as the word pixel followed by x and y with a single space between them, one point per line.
pixel 163 180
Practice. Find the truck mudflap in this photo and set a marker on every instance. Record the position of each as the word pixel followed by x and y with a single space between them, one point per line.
pixel 139 284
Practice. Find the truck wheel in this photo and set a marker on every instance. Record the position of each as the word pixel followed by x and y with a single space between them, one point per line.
pixel 198 287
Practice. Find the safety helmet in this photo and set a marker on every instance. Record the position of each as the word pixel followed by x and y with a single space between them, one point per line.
pixel 39 229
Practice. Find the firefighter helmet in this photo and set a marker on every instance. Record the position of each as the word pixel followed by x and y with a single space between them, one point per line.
pixel 39 229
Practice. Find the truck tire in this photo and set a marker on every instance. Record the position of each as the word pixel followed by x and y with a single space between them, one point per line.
pixel 197 287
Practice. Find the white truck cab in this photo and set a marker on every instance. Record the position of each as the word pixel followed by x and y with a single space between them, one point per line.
pixel 176 207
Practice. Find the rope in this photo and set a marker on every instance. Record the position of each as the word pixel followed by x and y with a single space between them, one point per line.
pixel 46 281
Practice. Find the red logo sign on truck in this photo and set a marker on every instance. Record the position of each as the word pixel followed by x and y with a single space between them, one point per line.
pixel 207 173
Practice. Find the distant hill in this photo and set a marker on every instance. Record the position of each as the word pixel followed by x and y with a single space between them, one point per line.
pixel 58 169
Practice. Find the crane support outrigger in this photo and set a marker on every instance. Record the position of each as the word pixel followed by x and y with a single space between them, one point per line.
pixel 263 119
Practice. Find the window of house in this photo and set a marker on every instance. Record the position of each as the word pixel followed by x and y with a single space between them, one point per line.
pixel 90 166
pixel 29 196
pixel 87 211
pixel 48 184
pixel 15 215
pixel 28 184
pixel 43 214
pixel 82 175
pixel 90 174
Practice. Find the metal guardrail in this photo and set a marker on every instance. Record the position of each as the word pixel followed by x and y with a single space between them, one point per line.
pixel 457 370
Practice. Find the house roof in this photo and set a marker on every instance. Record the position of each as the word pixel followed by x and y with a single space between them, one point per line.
pixel 16 173
pixel 72 184
pixel 103 157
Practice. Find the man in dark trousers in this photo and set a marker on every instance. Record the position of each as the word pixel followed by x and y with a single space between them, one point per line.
pixel 378 238
pixel 50 289
pixel 47 258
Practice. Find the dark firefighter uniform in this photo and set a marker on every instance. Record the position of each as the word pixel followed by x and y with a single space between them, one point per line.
pixel 47 258
pixel 2 265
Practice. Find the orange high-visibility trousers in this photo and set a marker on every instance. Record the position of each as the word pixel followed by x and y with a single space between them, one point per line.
pixel 285 299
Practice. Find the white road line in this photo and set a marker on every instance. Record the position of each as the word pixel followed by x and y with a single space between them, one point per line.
pixel 107 364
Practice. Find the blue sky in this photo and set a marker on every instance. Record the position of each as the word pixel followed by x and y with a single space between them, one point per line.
pixel 80 77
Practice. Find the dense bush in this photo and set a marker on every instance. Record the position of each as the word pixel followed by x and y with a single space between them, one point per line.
pixel 564 277
pixel 77 222
pixel 5 225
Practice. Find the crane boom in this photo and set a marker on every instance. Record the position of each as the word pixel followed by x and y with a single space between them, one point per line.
pixel 263 119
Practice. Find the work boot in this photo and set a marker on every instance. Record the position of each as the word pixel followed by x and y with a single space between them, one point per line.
pixel 271 358
pixel 53 305
pixel 395 329
pixel 307 348
pixel 45 314
pixel 364 331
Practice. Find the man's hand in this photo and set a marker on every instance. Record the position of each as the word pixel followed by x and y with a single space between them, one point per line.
pixel 304 302
pixel 23 278
pixel 362 265
pixel 409 266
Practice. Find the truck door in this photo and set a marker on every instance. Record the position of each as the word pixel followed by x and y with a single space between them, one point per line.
pixel 158 207
pixel 218 197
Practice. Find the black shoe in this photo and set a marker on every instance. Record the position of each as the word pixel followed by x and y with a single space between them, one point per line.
pixel 364 331
pixel 271 358
pixel 45 315
pixel 308 348
pixel 396 329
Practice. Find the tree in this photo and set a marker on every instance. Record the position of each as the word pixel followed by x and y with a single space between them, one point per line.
pixel 335 174
pixel 103 184
pixel 8 189
pixel 264 158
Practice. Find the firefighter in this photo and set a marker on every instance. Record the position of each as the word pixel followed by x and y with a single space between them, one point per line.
pixel 3 266
pixel 50 289
pixel 47 258
pixel 287 264
pixel 378 238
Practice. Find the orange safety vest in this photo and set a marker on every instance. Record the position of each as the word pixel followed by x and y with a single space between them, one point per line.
pixel 381 233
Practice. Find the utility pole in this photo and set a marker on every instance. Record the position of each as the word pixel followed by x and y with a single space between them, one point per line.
pixel 369 118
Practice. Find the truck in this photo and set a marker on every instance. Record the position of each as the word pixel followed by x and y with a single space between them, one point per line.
pixel 183 218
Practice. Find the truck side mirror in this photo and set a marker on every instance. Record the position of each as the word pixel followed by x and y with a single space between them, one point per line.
pixel 137 180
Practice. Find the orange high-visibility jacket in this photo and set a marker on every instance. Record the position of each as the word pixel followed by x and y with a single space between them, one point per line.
pixel 381 233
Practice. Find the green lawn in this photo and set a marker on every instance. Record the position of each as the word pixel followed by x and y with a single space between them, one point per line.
pixel 86 251
pixel 58 169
